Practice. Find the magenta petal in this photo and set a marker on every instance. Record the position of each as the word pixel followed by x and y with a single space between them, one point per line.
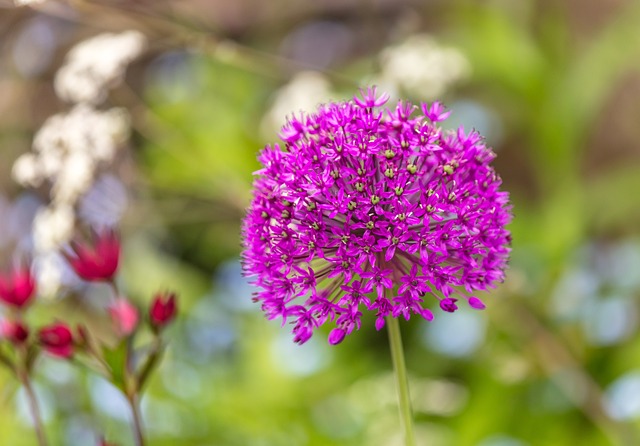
pixel 476 303
pixel 336 336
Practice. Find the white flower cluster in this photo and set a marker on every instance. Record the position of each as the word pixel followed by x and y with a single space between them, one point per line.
pixel 305 91
pixel 27 2
pixel 419 66
pixel 423 68
pixel 68 148
pixel 71 147
pixel 96 64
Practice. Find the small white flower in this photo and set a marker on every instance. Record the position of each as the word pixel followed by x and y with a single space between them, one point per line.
pixel 422 67
pixel 27 170
pixel 305 91
pixel 75 178
pixel 53 227
pixel 49 271
pixel 97 64
pixel 68 148
pixel 27 2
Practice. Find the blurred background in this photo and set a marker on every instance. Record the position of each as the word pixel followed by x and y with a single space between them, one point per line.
pixel 168 103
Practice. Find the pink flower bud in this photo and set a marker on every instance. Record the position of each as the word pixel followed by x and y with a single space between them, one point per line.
pixel 97 261
pixel 124 316
pixel 17 287
pixel 163 309
pixel 449 304
pixel 336 336
pixel 57 340
pixel 476 303
pixel 14 331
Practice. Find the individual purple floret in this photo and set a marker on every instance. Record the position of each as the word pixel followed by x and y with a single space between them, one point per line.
pixel 365 208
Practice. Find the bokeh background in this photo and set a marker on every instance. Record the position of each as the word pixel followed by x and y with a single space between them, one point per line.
pixel 553 85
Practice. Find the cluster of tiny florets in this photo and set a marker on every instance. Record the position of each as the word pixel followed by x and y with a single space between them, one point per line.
pixel 377 209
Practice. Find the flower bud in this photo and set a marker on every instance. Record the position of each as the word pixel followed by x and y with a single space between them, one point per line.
pixel 449 304
pixel 17 287
pixel 163 309
pixel 57 340
pixel 97 261
pixel 476 303
pixel 15 332
pixel 124 316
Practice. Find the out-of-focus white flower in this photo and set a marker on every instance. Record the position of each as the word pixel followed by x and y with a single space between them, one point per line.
pixel 97 64
pixel 69 147
pixel 27 2
pixel 422 67
pixel 52 227
pixel 49 269
pixel 74 179
pixel 27 170
pixel 305 91
pixel 83 129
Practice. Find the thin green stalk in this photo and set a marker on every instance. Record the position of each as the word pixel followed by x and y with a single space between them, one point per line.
pixel 402 383
pixel 134 403
pixel 34 409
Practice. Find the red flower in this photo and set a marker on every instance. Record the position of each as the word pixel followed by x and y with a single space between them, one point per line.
pixel 15 331
pixel 17 287
pixel 97 261
pixel 124 316
pixel 163 309
pixel 57 340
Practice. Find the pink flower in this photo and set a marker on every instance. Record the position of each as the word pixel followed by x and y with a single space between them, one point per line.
pixel 124 316
pixel 97 261
pixel 448 305
pixel 17 287
pixel 57 340
pixel 379 196
pixel 163 309
pixel 15 331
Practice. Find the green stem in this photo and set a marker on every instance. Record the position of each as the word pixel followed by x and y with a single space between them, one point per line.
pixel 33 408
pixel 134 403
pixel 402 383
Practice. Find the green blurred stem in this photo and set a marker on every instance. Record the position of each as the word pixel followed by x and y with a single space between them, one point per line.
pixel 33 408
pixel 153 358
pixel 402 383
pixel 134 403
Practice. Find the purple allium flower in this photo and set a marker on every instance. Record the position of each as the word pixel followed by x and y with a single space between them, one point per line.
pixel 364 208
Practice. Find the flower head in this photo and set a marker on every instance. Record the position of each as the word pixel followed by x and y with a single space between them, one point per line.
pixel 15 332
pixel 17 287
pixel 97 261
pixel 124 316
pixel 364 208
pixel 162 310
pixel 57 340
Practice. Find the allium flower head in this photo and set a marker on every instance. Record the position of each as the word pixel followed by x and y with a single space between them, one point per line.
pixel 364 208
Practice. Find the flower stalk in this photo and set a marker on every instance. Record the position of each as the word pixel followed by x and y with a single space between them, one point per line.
pixel 402 383
pixel 134 402
pixel 33 408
